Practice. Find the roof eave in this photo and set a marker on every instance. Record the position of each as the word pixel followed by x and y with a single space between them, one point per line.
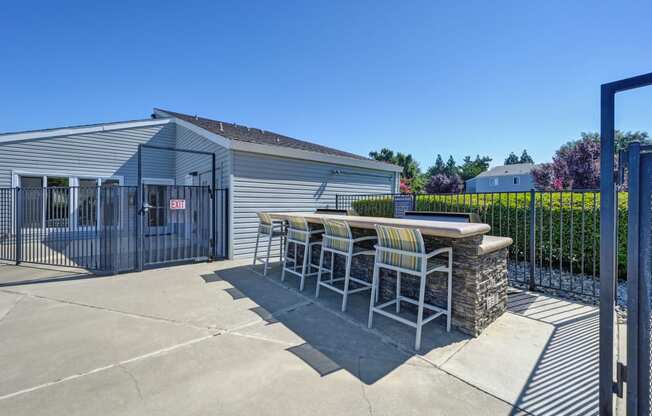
pixel 313 156
pixel 279 150
pixel 74 130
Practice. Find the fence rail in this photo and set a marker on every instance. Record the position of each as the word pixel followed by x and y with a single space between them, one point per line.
pixel 109 228
pixel 556 234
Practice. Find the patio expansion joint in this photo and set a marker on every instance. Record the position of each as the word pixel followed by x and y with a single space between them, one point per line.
pixel 120 364
pixel 11 308
pixel 105 309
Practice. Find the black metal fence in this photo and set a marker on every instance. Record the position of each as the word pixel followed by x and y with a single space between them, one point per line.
pixel 113 228
pixel 556 234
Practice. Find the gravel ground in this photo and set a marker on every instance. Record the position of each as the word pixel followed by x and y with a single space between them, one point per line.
pixel 579 288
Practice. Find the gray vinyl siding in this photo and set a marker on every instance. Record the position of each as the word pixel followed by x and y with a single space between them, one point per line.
pixel 505 183
pixel 271 183
pixel 107 153
pixel 189 162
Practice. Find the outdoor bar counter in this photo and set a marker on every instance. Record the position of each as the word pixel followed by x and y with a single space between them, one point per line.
pixel 479 266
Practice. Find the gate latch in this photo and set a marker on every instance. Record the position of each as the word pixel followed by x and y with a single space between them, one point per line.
pixel 145 208
pixel 621 376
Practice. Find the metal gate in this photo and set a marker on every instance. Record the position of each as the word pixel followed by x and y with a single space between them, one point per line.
pixel 639 279
pixel 113 229
pixel 177 224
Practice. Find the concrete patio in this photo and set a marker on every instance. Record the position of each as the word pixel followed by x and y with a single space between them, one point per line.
pixel 217 338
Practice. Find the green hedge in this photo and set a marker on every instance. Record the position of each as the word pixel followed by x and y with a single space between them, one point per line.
pixel 509 215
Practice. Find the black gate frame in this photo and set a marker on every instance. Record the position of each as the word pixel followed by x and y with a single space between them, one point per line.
pixel 141 200
pixel 608 234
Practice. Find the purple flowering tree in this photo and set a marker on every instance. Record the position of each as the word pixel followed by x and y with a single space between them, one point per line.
pixel 575 166
pixel 445 184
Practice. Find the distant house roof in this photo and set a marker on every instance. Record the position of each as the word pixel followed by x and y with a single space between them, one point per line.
pixel 507 170
pixel 238 132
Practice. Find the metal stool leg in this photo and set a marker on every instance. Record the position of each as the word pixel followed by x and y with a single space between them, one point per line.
pixel 422 295
pixel 398 292
pixel 269 249
pixel 321 264
pixel 347 276
pixel 256 249
pixel 306 253
pixel 449 308
pixel 374 289
pixel 285 261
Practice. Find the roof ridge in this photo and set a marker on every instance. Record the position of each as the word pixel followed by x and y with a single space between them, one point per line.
pixel 234 131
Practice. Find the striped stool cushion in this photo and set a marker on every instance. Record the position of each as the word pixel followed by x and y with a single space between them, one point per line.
pixel 404 239
pixel 296 225
pixel 339 229
pixel 265 223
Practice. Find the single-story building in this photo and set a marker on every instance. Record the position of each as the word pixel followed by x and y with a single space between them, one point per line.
pixel 507 178
pixel 260 169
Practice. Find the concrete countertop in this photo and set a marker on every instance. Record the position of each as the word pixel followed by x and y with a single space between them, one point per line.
pixel 491 243
pixel 431 228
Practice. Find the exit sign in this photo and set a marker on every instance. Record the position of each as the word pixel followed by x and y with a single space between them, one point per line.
pixel 177 204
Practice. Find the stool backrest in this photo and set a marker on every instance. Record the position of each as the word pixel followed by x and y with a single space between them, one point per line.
pixel 265 218
pixel 336 234
pixel 298 229
pixel 400 247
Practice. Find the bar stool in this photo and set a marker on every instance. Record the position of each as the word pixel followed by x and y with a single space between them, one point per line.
pixel 271 229
pixel 403 251
pixel 299 234
pixel 338 240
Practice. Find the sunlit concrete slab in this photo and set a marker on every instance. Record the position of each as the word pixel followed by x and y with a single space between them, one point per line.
pixel 542 356
pixel 233 375
pixel 219 338
pixel 42 341
pixel 191 294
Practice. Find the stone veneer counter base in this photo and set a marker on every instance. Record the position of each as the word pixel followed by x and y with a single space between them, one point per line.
pixel 479 268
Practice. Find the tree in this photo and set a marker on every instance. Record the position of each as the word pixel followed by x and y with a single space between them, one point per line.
pixel 444 184
pixel 438 167
pixel 385 155
pixel 512 159
pixel 525 158
pixel 406 161
pixel 451 167
pixel 411 176
pixel 577 163
pixel 472 168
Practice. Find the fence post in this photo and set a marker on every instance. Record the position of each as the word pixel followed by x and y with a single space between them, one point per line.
pixel 533 240
pixel 18 235
pixel 337 201
pixel 414 201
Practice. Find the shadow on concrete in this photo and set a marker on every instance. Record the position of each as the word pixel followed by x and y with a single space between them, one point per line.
pixel 332 340
pixel 564 380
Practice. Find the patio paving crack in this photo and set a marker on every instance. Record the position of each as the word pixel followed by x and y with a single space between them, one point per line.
pixel 133 379
pixel 119 364
pixel 362 388
pixel 11 308
pixel 105 309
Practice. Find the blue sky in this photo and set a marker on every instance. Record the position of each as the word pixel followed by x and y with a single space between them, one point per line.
pixel 422 77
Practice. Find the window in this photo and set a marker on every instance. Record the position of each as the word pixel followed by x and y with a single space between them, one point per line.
pixel 32 191
pixel 494 182
pixel 87 203
pixel 516 180
pixel 57 202
pixel 157 208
